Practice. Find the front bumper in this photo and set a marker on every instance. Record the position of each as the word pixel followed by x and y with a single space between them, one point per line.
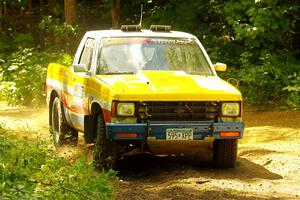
pixel 157 130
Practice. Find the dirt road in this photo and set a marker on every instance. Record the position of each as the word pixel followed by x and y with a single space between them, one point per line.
pixel 268 165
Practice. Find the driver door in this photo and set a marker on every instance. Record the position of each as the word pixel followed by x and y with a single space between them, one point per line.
pixel 79 86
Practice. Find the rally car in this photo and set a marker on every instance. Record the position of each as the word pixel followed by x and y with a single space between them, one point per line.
pixel 153 90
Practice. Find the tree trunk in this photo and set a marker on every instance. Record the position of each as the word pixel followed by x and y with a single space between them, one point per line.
pixel 1 11
pixel 4 8
pixel 70 11
pixel 99 3
pixel 29 5
pixel 41 6
pixel 115 14
pixel 51 5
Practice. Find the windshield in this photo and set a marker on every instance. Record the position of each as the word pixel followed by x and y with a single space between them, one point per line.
pixel 131 54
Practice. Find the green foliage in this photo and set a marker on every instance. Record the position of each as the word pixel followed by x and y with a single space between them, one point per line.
pixel 262 24
pixel 268 70
pixel 57 35
pixel 10 43
pixel 24 75
pixel 29 170
pixel 2 128
pixel 15 2
pixel 23 63
pixel 77 180
pixel 268 84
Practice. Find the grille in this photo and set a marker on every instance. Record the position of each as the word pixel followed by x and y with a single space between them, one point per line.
pixel 179 111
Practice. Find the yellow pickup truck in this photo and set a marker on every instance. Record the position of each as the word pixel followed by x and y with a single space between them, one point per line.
pixel 142 90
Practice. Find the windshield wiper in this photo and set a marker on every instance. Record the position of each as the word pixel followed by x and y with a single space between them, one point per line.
pixel 198 73
pixel 117 72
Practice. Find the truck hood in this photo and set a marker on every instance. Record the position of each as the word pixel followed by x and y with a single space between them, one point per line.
pixel 169 86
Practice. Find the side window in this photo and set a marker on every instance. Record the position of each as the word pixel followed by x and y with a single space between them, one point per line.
pixel 87 53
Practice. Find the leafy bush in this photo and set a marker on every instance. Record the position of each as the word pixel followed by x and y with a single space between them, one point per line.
pixel 57 35
pixel 24 75
pixel 10 43
pixel 23 63
pixel 262 84
pixel 29 170
pixel 268 70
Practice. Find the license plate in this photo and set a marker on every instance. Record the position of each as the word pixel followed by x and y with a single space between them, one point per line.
pixel 179 134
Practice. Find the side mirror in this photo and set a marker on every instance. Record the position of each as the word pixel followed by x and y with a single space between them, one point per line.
pixel 80 68
pixel 220 67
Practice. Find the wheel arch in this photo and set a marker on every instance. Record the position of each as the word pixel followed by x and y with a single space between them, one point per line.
pixel 96 108
pixel 90 122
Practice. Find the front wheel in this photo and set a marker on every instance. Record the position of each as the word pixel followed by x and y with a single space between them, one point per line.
pixel 105 150
pixel 62 133
pixel 225 153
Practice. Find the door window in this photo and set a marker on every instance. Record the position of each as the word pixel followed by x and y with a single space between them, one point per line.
pixel 87 53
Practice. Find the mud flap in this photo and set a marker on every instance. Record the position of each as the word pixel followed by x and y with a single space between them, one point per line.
pixel 89 129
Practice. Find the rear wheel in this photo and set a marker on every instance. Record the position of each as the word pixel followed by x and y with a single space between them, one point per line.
pixel 105 150
pixel 62 133
pixel 225 153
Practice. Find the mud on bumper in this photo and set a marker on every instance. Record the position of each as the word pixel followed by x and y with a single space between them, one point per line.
pixel 157 130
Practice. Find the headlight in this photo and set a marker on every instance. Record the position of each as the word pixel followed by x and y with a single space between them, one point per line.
pixel 126 109
pixel 230 109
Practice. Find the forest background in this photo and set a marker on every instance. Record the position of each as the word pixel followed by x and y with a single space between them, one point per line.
pixel 259 40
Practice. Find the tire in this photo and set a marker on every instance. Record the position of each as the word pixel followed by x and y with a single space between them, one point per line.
pixel 105 150
pixel 62 133
pixel 225 153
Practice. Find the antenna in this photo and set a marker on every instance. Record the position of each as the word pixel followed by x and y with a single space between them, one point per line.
pixel 141 18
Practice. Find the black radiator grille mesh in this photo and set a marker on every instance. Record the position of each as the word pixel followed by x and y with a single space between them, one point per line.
pixel 178 111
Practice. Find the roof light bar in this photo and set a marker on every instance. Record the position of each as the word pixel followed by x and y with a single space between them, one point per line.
pixel 160 28
pixel 131 28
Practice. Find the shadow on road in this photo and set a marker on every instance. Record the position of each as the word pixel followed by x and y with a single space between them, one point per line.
pixel 146 176
pixel 145 166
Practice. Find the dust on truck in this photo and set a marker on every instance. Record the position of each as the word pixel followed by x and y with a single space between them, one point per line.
pixel 142 90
